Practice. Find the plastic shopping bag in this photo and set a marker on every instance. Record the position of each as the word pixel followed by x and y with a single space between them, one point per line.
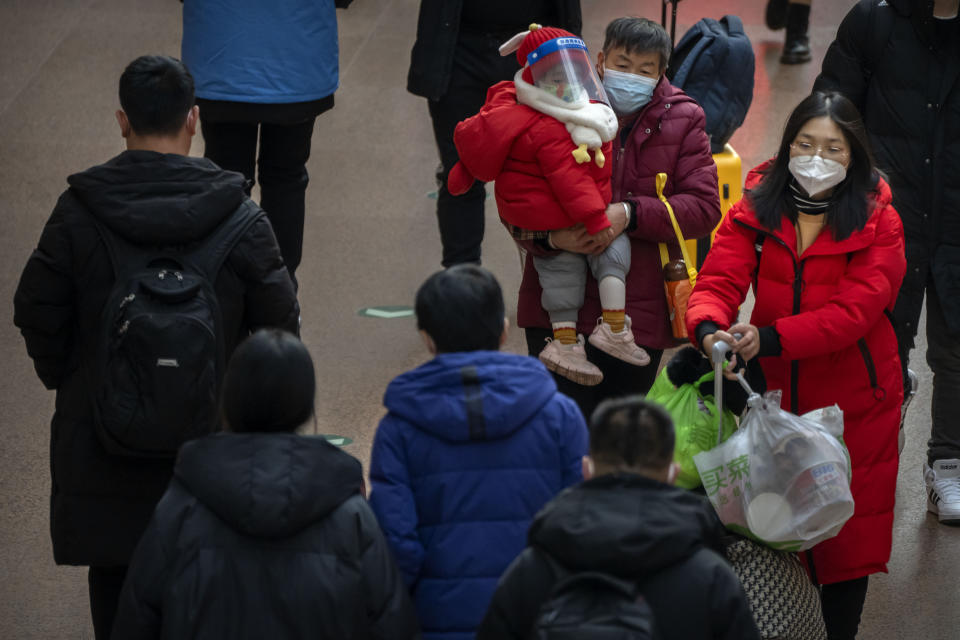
pixel 781 479
pixel 695 421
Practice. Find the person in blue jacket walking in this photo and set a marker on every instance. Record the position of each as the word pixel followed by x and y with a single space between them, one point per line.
pixel 474 443
pixel 264 71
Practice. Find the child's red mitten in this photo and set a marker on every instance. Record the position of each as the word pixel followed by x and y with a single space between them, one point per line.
pixel 459 180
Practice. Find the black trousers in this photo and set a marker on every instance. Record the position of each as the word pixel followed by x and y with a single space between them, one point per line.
pixel 105 584
pixel 842 604
pixel 477 65
pixel 282 159
pixel 943 356
pixel 619 378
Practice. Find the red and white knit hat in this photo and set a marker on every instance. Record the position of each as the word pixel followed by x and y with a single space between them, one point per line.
pixel 525 42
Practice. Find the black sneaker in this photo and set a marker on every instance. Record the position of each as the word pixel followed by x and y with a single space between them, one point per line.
pixel 796 50
pixel 776 15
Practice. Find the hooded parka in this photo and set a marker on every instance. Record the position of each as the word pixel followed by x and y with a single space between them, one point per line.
pixel 100 502
pixel 905 81
pixel 829 308
pixel 666 136
pixel 473 445
pixel 663 538
pixel 539 185
pixel 264 536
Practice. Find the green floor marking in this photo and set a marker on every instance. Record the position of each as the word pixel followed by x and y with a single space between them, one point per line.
pixel 340 441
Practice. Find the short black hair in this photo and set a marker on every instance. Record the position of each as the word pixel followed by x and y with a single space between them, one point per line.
pixel 156 93
pixel 849 207
pixel 269 385
pixel 461 309
pixel 638 35
pixel 632 432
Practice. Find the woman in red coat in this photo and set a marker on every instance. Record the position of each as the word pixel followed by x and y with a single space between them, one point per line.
pixel 817 238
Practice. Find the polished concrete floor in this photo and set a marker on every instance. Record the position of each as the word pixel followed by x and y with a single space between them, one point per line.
pixel 371 238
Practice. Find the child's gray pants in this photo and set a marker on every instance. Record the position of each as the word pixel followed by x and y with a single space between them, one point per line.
pixel 563 277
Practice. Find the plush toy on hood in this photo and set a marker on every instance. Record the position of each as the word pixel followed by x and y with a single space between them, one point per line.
pixel 557 79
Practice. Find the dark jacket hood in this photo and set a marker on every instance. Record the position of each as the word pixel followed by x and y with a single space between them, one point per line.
pixel 435 397
pixel 158 198
pixel 625 525
pixel 268 485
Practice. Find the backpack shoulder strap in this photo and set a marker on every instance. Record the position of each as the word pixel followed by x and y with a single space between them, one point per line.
pixel 734 25
pixel 691 45
pixel 210 254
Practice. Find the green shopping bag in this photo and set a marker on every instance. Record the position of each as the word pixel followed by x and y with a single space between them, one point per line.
pixel 695 421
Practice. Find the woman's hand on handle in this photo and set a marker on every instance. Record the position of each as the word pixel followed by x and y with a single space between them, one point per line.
pixel 748 346
pixel 710 340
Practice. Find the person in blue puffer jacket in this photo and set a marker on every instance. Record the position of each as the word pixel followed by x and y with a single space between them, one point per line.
pixel 264 71
pixel 474 443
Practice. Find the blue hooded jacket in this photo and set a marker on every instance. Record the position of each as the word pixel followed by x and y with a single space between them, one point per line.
pixel 261 52
pixel 472 446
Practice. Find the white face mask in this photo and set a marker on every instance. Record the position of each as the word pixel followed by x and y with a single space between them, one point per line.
pixel 816 174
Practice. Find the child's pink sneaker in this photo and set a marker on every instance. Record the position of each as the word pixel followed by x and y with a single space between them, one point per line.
pixel 619 345
pixel 570 361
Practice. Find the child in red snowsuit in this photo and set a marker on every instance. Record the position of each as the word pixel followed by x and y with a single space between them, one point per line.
pixel 534 136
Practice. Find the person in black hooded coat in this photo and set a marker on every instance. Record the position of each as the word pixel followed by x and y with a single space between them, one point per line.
pixel 152 194
pixel 627 520
pixel 264 533
pixel 899 62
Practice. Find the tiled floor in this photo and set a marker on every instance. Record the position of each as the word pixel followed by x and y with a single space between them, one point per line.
pixel 371 239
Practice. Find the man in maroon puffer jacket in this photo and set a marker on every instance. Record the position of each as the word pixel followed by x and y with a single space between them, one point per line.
pixel 661 131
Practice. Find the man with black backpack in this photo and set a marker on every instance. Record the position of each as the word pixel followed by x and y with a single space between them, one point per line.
pixel 623 552
pixel 150 270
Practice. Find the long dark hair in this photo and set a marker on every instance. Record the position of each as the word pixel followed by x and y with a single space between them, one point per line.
pixel 849 207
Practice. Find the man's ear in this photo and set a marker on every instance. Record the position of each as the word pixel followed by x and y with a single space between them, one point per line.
pixel 193 118
pixel 672 472
pixel 428 341
pixel 124 123
pixel 600 64
pixel 506 331
pixel 586 467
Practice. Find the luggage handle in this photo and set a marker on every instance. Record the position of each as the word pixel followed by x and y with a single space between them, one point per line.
pixel 673 19
pixel 720 349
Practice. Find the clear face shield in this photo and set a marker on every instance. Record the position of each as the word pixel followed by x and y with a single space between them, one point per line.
pixel 562 68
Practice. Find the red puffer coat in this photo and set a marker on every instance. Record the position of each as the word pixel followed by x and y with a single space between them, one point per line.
pixel 666 136
pixel 539 185
pixel 838 346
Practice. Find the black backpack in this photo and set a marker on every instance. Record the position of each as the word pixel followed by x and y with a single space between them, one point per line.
pixel 594 605
pixel 713 63
pixel 159 357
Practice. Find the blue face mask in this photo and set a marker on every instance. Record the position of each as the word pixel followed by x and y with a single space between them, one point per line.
pixel 628 92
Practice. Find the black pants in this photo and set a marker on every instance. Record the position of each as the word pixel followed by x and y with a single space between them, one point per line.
pixel 619 378
pixel 284 151
pixel 477 65
pixel 842 604
pixel 105 584
pixel 943 357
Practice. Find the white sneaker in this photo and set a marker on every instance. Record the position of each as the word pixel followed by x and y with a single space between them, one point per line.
pixel 943 489
pixel 914 383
